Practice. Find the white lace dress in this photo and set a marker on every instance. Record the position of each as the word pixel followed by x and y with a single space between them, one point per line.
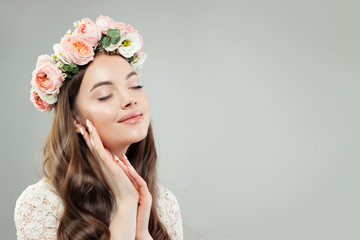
pixel 38 210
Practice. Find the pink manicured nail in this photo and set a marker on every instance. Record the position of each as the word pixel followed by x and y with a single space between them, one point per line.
pixel 125 156
pixel 92 142
pixel 81 131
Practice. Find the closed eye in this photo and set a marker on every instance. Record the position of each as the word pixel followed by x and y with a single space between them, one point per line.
pixel 105 98
pixel 109 96
pixel 138 87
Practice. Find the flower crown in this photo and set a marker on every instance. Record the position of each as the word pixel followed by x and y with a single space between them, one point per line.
pixel 78 48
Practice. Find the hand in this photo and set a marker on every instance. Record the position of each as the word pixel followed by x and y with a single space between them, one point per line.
pixel 116 176
pixel 145 202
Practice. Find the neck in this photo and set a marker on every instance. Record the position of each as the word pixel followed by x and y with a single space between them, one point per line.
pixel 119 151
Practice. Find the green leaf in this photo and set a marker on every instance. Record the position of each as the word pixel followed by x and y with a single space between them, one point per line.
pixel 67 68
pixel 75 70
pixel 132 58
pixel 113 32
pixel 69 75
pixel 73 65
pixel 106 41
pixel 115 40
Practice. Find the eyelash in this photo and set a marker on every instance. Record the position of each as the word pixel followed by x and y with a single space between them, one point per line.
pixel 107 97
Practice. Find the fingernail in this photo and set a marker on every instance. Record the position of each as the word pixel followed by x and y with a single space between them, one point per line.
pixel 81 131
pixel 118 159
pixel 88 125
pixel 125 156
pixel 92 142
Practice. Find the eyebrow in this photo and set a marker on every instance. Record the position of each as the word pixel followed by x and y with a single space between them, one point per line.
pixel 98 84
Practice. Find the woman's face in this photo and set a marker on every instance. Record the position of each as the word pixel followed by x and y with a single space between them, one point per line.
pixel 107 94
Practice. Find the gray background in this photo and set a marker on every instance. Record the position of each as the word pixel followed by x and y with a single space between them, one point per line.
pixel 254 104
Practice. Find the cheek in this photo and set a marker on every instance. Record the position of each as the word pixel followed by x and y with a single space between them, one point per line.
pixel 100 114
pixel 145 102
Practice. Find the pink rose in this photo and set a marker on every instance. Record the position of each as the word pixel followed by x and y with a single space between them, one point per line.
pixel 75 50
pixel 46 77
pixel 105 23
pixel 43 59
pixel 129 28
pixel 88 31
pixel 142 41
pixel 40 104
pixel 124 28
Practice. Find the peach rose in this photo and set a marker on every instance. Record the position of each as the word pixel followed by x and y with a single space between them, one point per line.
pixel 105 23
pixel 88 31
pixel 40 104
pixel 46 77
pixel 75 50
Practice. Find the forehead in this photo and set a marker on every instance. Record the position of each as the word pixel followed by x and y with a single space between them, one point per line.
pixel 106 67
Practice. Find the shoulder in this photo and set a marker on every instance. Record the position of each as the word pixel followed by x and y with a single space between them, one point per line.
pixel 167 202
pixel 169 212
pixel 166 195
pixel 37 194
pixel 37 210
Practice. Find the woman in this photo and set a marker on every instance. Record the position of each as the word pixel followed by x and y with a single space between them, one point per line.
pixel 99 158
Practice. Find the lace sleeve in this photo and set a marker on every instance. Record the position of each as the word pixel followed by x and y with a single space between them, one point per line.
pixel 36 213
pixel 171 214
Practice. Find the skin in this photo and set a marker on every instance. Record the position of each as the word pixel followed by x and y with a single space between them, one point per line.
pixel 108 139
pixel 115 136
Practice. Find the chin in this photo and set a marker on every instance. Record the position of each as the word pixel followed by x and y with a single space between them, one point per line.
pixel 136 136
pixel 135 133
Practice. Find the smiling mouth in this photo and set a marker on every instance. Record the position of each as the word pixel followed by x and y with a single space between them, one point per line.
pixel 132 118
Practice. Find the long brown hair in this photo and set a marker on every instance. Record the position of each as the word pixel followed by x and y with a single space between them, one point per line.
pixel 75 173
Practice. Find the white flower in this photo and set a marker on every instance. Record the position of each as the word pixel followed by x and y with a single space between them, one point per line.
pixel 57 53
pixel 76 24
pixel 63 76
pixel 139 61
pixel 132 44
pixel 59 64
pixel 68 32
pixel 49 98
pixel 112 47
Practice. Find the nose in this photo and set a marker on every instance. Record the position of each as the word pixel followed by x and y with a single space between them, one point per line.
pixel 132 103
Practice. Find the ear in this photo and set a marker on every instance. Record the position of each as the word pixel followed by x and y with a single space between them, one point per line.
pixel 76 120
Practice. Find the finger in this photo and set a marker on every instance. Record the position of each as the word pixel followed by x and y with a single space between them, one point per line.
pixel 108 152
pixel 94 147
pixel 119 163
pixel 92 131
pixel 128 165
pixel 116 160
pixel 126 161
pixel 126 170
pixel 134 182
pixel 96 141
pixel 85 135
pixel 141 182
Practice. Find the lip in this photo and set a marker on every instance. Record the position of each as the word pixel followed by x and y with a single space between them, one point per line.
pixel 130 115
